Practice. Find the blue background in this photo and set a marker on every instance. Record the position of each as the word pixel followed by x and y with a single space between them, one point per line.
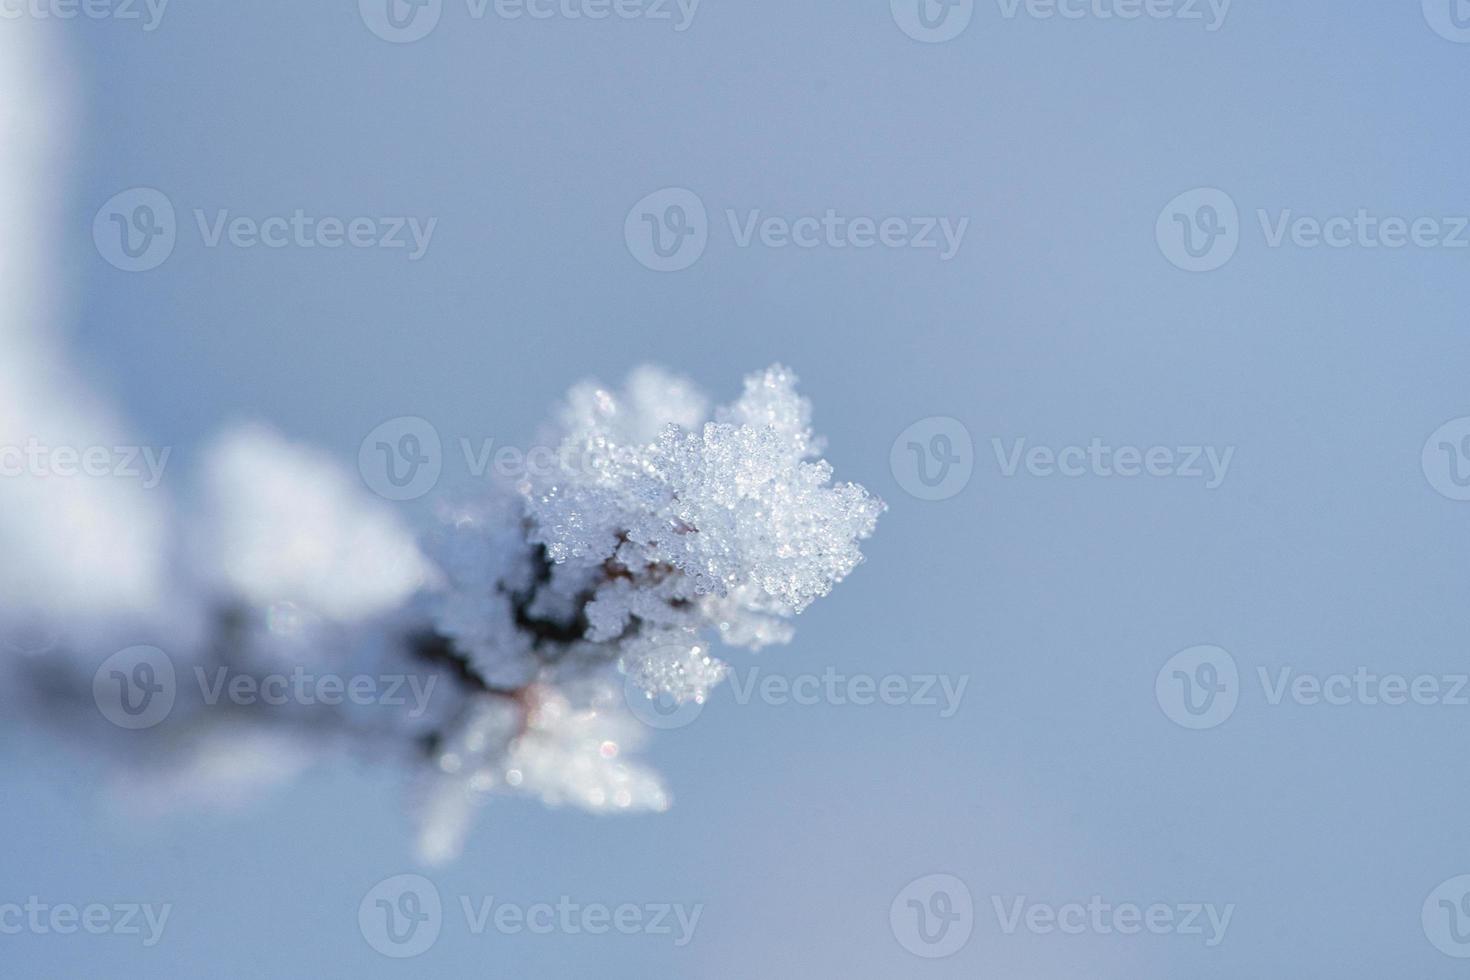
pixel 1058 321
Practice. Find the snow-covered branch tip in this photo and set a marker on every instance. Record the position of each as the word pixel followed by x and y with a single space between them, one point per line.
pixel 534 621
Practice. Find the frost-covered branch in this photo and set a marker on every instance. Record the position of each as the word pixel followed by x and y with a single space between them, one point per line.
pixel 523 622
pixel 211 637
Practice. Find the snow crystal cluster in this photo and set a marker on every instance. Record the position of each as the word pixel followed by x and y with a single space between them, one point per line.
pixel 658 532
pixel 531 621
pixel 655 531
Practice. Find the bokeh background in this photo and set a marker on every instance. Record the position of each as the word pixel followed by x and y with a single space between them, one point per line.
pixel 1060 319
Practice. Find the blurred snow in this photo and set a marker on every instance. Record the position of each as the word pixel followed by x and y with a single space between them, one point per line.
pixel 284 523
pixel 83 546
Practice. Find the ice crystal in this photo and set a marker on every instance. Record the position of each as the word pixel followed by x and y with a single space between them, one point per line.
pixel 533 613
pixel 658 530
pixel 729 524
